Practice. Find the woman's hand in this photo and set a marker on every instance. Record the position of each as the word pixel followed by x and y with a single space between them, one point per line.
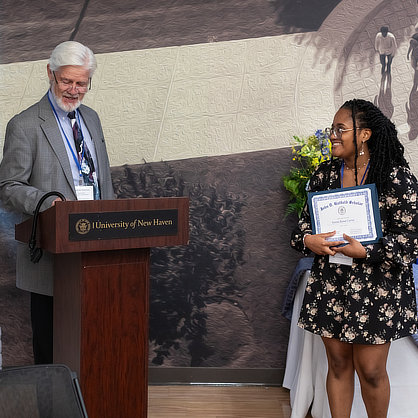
pixel 353 249
pixel 319 245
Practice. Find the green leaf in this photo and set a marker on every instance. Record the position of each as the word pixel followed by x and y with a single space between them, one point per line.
pixel 308 154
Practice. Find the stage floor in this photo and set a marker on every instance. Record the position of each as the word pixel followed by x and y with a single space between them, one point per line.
pixel 218 402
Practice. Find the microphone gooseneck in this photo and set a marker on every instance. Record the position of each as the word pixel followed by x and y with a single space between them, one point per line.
pixel 35 252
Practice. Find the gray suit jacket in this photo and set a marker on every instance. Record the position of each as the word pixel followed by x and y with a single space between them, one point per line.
pixel 35 162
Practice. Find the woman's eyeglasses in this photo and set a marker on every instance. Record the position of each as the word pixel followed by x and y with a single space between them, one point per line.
pixel 337 132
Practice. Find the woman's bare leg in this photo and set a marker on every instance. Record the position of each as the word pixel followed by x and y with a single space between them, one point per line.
pixel 340 379
pixel 370 364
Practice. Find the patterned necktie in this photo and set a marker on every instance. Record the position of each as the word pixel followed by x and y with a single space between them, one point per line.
pixel 84 156
pixel 79 142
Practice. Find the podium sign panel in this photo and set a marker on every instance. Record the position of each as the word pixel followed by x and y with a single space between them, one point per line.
pixel 101 292
pixel 129 224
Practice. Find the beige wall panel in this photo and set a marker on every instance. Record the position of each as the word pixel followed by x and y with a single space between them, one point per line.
pixel 268 91
pixel 132 144
pixel 13 80
pixel 138 68
pixel 131 106
pixel 276 54
pixel 19 88
pixel 204 97
pixel 206 61
pixel 197 137
pixel 263 130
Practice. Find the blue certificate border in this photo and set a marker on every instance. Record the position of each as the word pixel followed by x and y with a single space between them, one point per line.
pixel 360 190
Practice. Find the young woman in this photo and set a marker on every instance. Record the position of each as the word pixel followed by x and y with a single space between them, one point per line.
pixel 358 309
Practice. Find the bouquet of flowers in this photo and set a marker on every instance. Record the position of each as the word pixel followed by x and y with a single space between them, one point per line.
pixel 310 152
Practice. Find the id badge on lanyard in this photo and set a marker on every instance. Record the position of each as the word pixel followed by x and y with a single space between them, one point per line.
pixel 84 192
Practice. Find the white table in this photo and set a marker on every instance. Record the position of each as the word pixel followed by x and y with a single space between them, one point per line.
pixel 306 370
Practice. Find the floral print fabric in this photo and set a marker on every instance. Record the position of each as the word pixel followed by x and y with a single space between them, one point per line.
pixel 373 300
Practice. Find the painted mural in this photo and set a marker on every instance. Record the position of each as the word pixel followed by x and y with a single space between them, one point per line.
pixel 218 301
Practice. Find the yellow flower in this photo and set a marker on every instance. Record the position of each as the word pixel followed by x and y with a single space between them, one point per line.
pixel 311 151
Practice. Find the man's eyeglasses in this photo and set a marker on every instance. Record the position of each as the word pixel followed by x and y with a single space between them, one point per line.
pixel 337 132
pixel 67 85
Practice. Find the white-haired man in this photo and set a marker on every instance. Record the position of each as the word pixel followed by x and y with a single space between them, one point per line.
pixel 55 145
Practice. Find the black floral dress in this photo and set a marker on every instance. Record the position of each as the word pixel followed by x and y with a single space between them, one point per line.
pixel 373 300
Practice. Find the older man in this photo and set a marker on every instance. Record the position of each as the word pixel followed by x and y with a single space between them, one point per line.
pixel 55 145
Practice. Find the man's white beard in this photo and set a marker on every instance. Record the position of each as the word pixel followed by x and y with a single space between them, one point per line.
pixel 65 107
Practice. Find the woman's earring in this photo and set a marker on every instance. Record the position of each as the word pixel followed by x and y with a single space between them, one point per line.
pixel 362 149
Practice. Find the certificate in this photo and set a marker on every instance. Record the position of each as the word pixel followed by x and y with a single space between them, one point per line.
pixel 353 211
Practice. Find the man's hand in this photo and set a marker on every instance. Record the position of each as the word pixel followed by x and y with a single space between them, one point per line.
pixel 56 200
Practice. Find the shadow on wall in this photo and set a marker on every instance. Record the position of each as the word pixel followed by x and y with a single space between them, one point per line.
pixel 384 100
pixel 217 301
pixel 411 108
pixel 302 15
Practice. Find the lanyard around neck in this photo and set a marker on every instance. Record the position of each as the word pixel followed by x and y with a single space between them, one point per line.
pixel 66 138
pixel 364 175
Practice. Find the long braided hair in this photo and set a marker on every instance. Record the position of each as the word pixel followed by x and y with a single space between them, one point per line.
pixel 386 151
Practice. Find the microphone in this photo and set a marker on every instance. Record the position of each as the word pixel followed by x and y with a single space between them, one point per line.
pixel 35 252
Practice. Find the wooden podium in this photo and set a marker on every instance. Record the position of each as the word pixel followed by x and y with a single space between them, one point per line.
pixel 101 292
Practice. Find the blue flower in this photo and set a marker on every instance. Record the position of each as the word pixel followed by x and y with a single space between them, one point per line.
pixel 323 141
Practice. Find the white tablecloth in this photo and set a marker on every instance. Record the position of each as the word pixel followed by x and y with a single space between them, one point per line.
pixel 306 370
